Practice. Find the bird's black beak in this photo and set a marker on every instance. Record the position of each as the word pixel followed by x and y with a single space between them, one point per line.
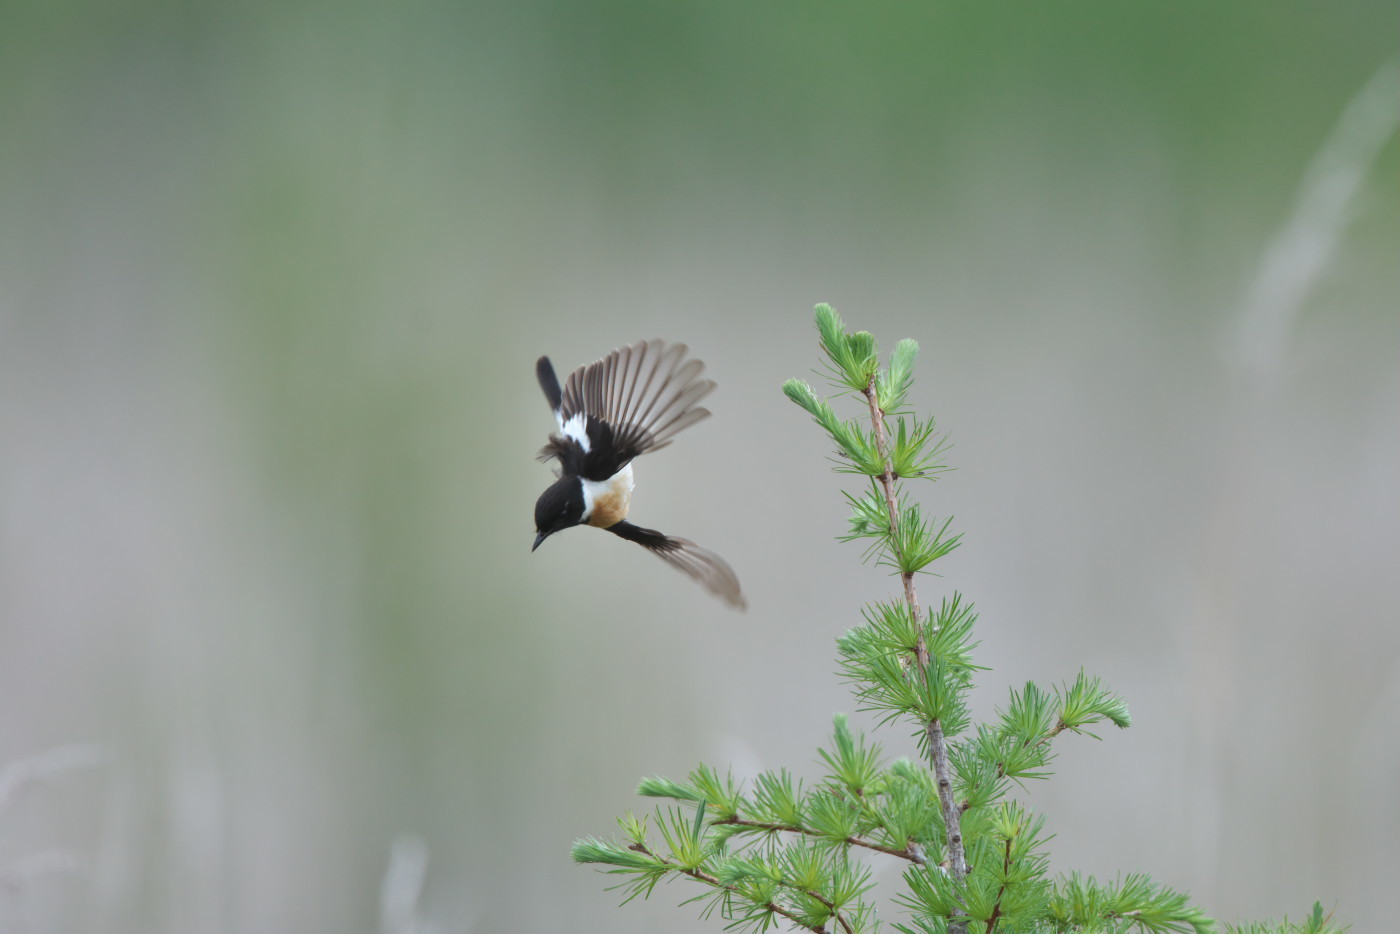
pixel 539 538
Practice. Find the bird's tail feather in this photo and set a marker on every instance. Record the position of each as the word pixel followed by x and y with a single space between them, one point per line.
pixel 549 383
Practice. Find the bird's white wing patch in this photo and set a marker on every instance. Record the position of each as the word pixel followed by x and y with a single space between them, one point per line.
pixel 575 428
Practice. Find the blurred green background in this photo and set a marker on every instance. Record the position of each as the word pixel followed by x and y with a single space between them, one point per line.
pixel 273 277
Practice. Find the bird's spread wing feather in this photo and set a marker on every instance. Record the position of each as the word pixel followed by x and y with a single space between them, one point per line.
pixel 712 571
pixel 645 393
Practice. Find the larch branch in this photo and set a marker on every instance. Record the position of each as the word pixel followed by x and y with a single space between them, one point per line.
pixel 937 742
pixel 908 853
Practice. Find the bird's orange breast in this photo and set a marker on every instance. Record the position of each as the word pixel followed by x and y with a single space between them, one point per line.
pixel 611 499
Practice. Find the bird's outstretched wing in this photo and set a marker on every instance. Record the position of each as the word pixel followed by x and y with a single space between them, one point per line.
pixel 712 571
pixel 645 393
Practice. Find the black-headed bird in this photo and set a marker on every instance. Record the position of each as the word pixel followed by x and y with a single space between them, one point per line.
pixel 630 403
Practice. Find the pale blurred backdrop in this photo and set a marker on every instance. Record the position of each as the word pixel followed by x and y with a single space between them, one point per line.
pixel 274 653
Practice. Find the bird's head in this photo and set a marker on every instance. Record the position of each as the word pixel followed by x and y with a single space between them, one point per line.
pixel 559 507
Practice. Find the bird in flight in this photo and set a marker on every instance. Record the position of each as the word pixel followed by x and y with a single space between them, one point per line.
pixel 630 403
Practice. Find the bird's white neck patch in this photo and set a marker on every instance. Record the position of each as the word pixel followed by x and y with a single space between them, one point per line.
pixel 575 428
